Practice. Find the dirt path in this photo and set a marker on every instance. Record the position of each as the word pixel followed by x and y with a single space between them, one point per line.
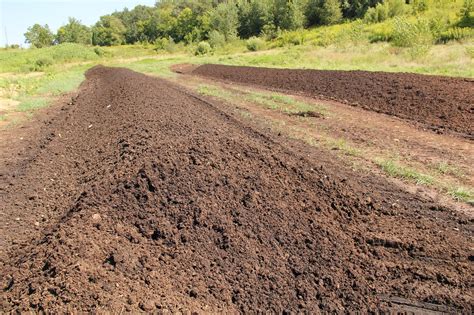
pixel 148 197
pixel 438 103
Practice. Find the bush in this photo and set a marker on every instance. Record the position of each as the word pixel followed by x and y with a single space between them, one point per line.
pixel 381 33
pixel 456 34
pixel 377 14
pixel 420 6
pixel 216 39
pixel 291 38
pixel 42 63
pixel 410 34
pixel 99 51
pixel 202 48
pixel 270 31
pixel 166 44
pixel 255 44
pixel 385 10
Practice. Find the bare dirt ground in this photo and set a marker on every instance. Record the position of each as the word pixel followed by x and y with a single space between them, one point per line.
pixel 357 137
pixel 439 103
pixel 139 195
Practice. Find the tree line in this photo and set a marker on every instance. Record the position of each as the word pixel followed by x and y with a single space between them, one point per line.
pixel 191 21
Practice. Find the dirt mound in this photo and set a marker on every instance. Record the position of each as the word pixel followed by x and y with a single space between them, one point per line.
pixel 155 199
pixel 439 103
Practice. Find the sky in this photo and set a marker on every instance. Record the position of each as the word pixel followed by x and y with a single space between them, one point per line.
pixel 17 15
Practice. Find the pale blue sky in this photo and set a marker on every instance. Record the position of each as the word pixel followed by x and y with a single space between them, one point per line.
pixel 17 15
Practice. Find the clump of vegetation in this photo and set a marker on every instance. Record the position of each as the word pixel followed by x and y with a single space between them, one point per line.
pixel 216 39
pixel 41 63
pixel 255 44
pixel 395 169
pixel 203 48
pixel 417 36
pixel 385 10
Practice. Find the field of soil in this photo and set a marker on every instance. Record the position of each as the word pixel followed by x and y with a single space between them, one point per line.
pixel 139 195
pixel 437 103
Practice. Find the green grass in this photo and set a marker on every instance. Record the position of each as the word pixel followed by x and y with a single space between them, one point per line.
pixel 462 194
pixel 394 169
pixel 32 104
pixel 343 146
pixel 445 168
pixel 3 117
pixel 273 101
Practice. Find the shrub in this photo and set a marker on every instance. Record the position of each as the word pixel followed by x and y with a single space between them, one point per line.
pixel 203 48
pixel 270 31
pixel 377 14
pixel 456 34
pixel 417 36
pixel 380 32
pixel 166 44
pixel 420 6
pixel 467 18
pixel 255 44
pixel 410 34
pixel 291 38
pixel 42 63
pixel 216 39
pixel 99 51
pixel 385 10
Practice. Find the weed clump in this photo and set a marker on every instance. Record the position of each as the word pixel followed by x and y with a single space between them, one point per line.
pixel 255 44
pixel 41 63
pixel 203 48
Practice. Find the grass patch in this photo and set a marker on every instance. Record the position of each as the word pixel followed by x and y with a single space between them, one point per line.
pixel 214 91
pixel 394 169
pixel 462 194
pixel 343 146
pixel 445 168
pixel 32 104
pixel 3 117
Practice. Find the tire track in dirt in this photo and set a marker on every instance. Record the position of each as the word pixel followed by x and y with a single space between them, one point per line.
pixel 438 103
pixel 163 200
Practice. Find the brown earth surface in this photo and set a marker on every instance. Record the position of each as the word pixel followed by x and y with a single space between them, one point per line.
pixel 141 196
pixel 437 103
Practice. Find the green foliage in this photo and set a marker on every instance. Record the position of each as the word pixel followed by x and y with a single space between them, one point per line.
pixel 456 34
pixel 108 31
pixel 323 12
pixel 467 14
pixel 420 6
pixel 41 63
pixel 39 36
pixel 291 38
pixel 224 19
pixel 395 169
pixel 288 14
pixel 410 34
pixel 253 16
pixel 32 104
pixel 385 10
pixel 255 44
pixel 203 48
pixel 74 32
pixel 216 39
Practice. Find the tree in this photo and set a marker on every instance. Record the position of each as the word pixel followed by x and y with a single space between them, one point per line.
pixel 253 16
pixel 288 14
pixel 323 12
pixel 224 19
pixel 135 22
pixel 357 8
pixel 39 36
pixel 108 31
pixel 467 16
pixel 331 12
pixel 74 32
